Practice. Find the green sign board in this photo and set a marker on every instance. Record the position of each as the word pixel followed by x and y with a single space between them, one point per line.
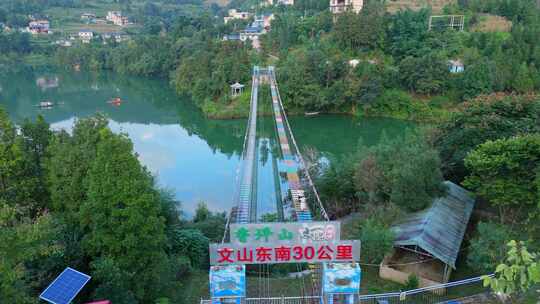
pixel 300 233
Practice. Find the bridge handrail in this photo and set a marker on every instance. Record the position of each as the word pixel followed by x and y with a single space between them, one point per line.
pixel 236 194
pixel 323 210
pixel 424 289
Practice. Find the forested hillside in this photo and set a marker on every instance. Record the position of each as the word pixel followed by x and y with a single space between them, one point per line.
pixel 399 69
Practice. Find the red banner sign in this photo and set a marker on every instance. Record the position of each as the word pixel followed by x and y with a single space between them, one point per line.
pixel 339 251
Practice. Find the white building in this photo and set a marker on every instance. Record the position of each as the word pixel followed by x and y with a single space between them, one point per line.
pixel 86 36
pixel 63 42
pixel 340 6
pixel 118 37
pixel 39 26
pixel 88 16
pixel 277 2
pixel 264 22
pixel 117 18
pixel 234 14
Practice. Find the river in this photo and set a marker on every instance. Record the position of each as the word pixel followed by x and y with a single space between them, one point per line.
pixel 191 155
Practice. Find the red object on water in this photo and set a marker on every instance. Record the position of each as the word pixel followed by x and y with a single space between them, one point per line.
pixel 100 302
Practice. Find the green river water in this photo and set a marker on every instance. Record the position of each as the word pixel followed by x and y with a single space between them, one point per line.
pixel 195 157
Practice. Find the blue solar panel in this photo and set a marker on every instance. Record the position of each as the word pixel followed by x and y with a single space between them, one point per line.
pixel 65 287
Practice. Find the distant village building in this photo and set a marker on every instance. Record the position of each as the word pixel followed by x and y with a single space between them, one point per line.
pixel 264 22
pixel 88 16
pixel 456 66
pixel 39 27
pixel 277 2
pixel 63 42
pixel 340 6
pixel 261 25
pixel 355 62
pixel 86 36
pixel 234 14
pixel 231 37
pixel 117 37
pixel 117 18
pixel 100 21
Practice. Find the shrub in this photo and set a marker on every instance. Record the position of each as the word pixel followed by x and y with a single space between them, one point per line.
pixel 377 240
pixel 404 171
pixel 395 103
pixel 487 248
pixel 412 282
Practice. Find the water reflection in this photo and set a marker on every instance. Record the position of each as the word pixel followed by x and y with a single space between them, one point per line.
pixel 195 157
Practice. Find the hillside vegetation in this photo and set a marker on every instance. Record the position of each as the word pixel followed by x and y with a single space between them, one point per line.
pixel 393 6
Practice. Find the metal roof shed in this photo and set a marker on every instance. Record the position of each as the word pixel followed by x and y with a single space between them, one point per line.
pixel 439 230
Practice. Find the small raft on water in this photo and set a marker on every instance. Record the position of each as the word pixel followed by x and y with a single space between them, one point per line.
pixel 45 104
pixel 311 113
pixel 115 101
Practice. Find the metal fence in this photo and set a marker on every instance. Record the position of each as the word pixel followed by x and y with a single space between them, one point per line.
pixel 429 295
pixel 271 300
pixel 469 288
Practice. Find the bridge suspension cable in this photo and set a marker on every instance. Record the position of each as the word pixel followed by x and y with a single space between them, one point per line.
pixel 302 162
pixel 244 171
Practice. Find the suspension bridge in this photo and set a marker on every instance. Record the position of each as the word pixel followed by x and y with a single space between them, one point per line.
pixel 303 234
pixel 291 196
pixel 292 185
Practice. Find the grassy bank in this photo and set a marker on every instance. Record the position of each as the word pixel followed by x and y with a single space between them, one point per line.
pixel 401 105
pixel 239 106
pixel 392 104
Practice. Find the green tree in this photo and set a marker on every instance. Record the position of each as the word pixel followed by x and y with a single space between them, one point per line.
pixel 11 159
pixel 19 176
pixel 426 75
pixel 487 118
pixel 407 33
pixel 336 186
pixel 113 284
pixel 407 173
pixel 475 80
pixel 121 216
pixel 201 213
pixel 504 171
pixel 213 226
pixel 487 246
pixel 22 241
pixel 71 157
pixel 36 136
pixel 518 273
pixel 192 244
pixel 377 241
pixel 523 83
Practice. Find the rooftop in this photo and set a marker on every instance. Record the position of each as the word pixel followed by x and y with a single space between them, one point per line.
pixel 440 228
pixel 237 85
pixel 455 62
pixel 234 36
pixel 253 29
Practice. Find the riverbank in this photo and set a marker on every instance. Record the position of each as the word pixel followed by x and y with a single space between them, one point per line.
pixel 415 110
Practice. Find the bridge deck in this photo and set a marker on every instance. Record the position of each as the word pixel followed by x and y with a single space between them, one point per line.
pixel 290 160
pixel 288 169
pixel 246 202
